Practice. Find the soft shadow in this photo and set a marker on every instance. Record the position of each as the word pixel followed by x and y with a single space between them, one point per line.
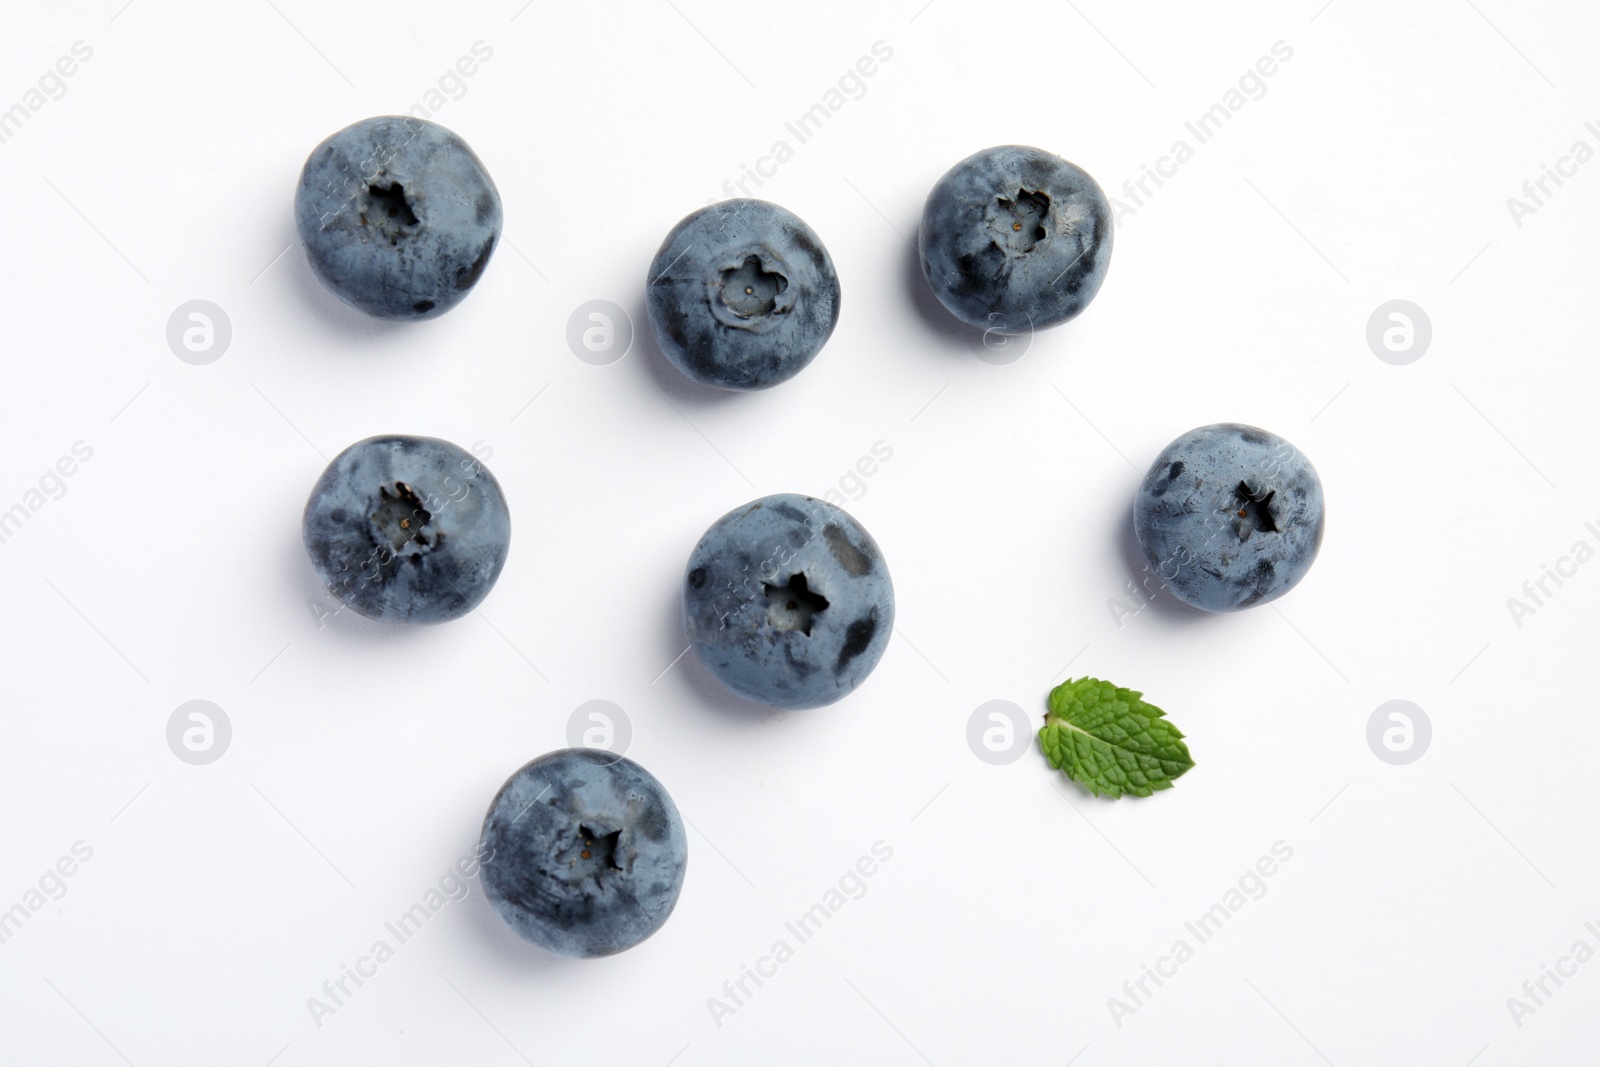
pixel 954 336
pixel 678 387
pixel 1160 601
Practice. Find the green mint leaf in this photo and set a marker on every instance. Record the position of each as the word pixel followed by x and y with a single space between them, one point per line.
pixel 1108 739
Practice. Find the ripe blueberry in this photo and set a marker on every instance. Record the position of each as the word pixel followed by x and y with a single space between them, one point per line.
pixel 584 853
pixel 1230 516
pixel 742 295
pixel 397 216
pixel 411 529
pixel 1015 239
pixel 787 600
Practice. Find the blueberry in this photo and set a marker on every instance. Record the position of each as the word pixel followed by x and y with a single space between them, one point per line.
pixel 788 602
pixel 1015 239
pixel 407 528
pixel 742 295
pixel 584 853
pixel 397 216
pixel 1230 516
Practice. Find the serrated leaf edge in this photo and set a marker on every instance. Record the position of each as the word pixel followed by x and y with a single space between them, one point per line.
pixel 1055 716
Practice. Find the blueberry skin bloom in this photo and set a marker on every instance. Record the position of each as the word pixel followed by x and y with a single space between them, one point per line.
pixel 742 295
pixel 1230 516
pixel 787 600
pixel 584 853
pixel 409 529
pixel 1015 239
pixel 397 217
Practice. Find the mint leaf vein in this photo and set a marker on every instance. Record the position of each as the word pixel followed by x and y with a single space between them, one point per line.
pixel 1110 740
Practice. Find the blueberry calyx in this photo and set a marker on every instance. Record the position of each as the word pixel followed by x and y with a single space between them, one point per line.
pixel 749 290
pixel 1255 511
pixel 792 606
pixel 391 200
pixel 401 517
pixel 1020 220
pixel 595 851
pixel 388 209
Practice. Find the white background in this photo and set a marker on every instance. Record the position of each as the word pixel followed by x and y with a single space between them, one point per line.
pixel 1377 166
